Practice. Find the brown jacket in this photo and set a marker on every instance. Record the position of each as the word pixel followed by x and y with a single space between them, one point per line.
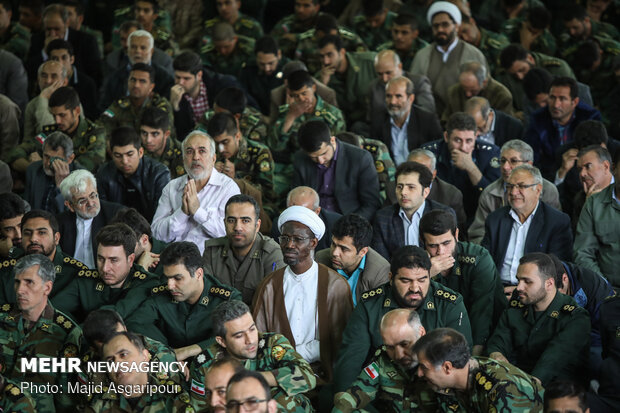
pixel 334 307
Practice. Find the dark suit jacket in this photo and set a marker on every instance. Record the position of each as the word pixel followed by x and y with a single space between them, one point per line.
pixel 423 127
pixel 356 186
pixel 449 195
pixel 329 218
pixel 37 183
pixel 388 231
pixel 549 232
pixel 87 91
pixel 506 128
pixel 68 229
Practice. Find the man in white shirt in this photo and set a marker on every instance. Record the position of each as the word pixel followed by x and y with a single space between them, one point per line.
pixel 192 206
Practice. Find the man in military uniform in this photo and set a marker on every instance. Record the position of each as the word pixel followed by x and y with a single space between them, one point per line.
pixel 467 268
pixel 13 36
pixel 39 236
pixel 127 111
pixel 579 26
pixel 488 42
pixel 494 15
pixel 12 399
pixel 156 140
pixel 374 24
pixel 473 384
pixel 244 25
pixel 227 52
pixel 271 354
pixel 287 29
pixel 33 328
pixel 532 31
pixel 177 313
pixel 543 332
pixel 609 390
pixel 118 283
pixel 405 39
pixel 410 286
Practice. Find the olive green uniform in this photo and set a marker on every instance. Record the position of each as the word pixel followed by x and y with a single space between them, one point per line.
pixel 308 47
pixel 386 170
pixel 180 324
pixel 406 58
pixel 244 25
pixel 373 37
pixel 491 46
pixel 172 157
pixel 276 354
pixel 286 31
pixel 245 275
pixel 441 307
pixel 252 124
pixel 88 292
pixel 242 55
pixel 16 40
pixel 548 345
pixel 13 400
pixel 123 113
pixel 545 43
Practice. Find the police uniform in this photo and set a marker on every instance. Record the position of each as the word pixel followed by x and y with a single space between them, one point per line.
pixel 491 45
pixel 406 58
pixel 276 354
pixel 386 170
pixel 251 124
pixel 373 37
pixel 441 307
pixel 242 55
pixel 486 158
pixel 16 40
pixel 12 399
pixel 545 43
pixel 180 324
pixel 172 157
pixel 264 257
pixel 88 292
pixel 308 47
pixel 244 26
pixel 548 345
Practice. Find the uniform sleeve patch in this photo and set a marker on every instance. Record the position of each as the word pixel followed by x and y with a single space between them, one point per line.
pixel 371 371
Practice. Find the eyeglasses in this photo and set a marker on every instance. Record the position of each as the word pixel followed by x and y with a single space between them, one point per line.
pixel 284 239
pixel 520 187
pixel 83 201
pixel 512 162
pixel 250 405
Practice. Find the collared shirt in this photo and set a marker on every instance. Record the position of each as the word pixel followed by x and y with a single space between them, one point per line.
pixel 489 136
pixel 400 141
pixel 613 194
pixel 170 223
pixel 200 104
pixel 354 278
pixel 300 300
pixel 327 183
pixel 446 54
pixel 412 227
pixel 516 246
pixel 83 244
pixel 563 129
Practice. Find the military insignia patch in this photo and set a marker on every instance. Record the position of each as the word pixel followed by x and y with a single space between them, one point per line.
pixel 92 139
pixel 387 302
pixel 58 268
pixel 99 287
pixel 70 351
pixel 430 305
pixel 278 352
pixel 204 301
pixel 264 166
pixel 379 166
pixel 554 314
pixel 371 371
pixel 494 162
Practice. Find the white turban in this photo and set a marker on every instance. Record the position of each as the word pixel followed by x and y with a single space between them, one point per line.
pixel 443 7
pixel 304 216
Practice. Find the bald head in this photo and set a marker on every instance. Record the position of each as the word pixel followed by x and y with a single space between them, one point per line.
pixel 400 329
pixel 304 196
pixel 388 65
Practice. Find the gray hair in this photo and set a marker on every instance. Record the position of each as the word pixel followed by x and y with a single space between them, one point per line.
pixel 299 189
pixel 532 170
pixel 76 183
pixel 57 9
pixel 388 53
pixel 524 149
pixel 225 312
pixel 477 69
pixel 59 140
pixel 477 103
pixel 141 33
pixel 409 87
pixel 601 153
pixel 425 152
pixel 63 70
pixel 204 135
pixel 47 272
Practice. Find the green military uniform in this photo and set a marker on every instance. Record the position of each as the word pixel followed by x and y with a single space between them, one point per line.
pixel 252 124
pixel 406 58
pixel 284 145
pixel 88 292
pixel 387 386
pixel 245 275
pixel 494 386
pixel 172 157
pixel 418 10
pixel 286 32
pixel 276 354
pixel 180 324
pixel 373 37
pixel 242 55
pixel 54 335
pixel 308 47
pixel 494 16
pixel 254 163
pixel 16 40
pixel 545 43
pixel 442 307
pixel 475 277
pixel 386 170
pixel 551 344
pixel 12 399
pixel 244 25
pixel 162 29
pixel 123 113
pixel 604 30
pixel 491 45
pixel 67 268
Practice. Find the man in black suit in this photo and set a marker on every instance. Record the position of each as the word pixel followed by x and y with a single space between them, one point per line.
pixel 405 126
pixel 398 225
pixel 494 126
pixel 527 225
pixel 86 216
pixel 343 175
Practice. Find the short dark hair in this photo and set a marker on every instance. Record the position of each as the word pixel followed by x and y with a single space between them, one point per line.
pixel 588 52
pixel 182 252
pixel 64 96
pixel 460 121
pixel 325 23
pixel 355 226
pixel 246 374
pixel 225 312
pixel 565 388
pixel 77 5
pixel 123 136
pixel 371 8
pixel 512 53
pixel 574 11
pixel 444 344
pixel 11 206
pixel 590 132
pixel 155 118
pixel 232 99
pixel 187 61
pixel 538 17
pixel 565 81
pixel 312 134
pixel 134 338
pixel 425 176
pixel 545 265
pixel 130 24
pixel 299 79
pixel 437 222
pixel 46 215
pixel 331 39
pixel 536 81
pixel 152 2
pixel 243 199
pixel 100 325
pixel 409 256
pixel 143 67
pixel 118 234
pixel 135 221
pixel 222 123
pixel 601 153
pixel 406 19
pixel 59 44
pixel 350 138
pixel 559 270
pixel 266 45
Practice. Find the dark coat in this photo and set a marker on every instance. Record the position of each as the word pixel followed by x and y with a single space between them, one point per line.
pixel 37 183
pixel 87 91
pixel 506 128
pixel 449 195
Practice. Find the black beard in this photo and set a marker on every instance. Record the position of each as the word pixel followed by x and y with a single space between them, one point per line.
pixel 441 41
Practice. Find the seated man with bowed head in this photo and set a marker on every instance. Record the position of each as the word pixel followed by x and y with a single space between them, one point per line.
pixel 191 207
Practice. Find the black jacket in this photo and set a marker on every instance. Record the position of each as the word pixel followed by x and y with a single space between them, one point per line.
pixel 506 128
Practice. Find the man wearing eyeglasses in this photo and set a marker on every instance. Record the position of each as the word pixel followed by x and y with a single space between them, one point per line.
pixel 525 225
pixel 513 153
pixel 248 391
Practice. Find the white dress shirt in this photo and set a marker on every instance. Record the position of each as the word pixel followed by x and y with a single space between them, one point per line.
pixel 412 228
pixel 300 300
pixel 83 242
pixel 516 246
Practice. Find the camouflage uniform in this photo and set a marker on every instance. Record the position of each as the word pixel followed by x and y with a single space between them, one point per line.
pixel 54 334
pixel 491 45
pixel 373 37
pixel 244 26
pixel 308 47
pixel 123 113
pixel 386 170
pixel 242 55
pixel 545 43
pixel 13 400
pixel 604 30
pixel 494 16
pixel 275 353
pixel 172 157
pixel 406 58
pixel 286 32
pixel 252 124
pixel 254 163
pixel 162 29
pixel 16 40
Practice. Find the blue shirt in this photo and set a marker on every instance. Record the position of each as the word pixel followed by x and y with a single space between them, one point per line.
pixel 354 278
pixel 412 228
pixel 400 142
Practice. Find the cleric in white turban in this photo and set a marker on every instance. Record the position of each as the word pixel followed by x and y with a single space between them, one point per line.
pixel 304 216
pixel 443 7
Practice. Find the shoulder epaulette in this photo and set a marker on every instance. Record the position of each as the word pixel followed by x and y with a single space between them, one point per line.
pixel 359 19
pixel 13 392
pixel 122 11
pixel 159 289
pixel 329 117
pixel 246 22
pixel 467 259
pixel 252 118
pixel 308 34
pixel 7 263
pixel 65 322
pixel 552 63
pixel 372 293
pixel 446 295
pixel 207 47
pixel 485 382
pixel 568 308
pixel 220 292
pixel 371 148
pixel 346 33
pixel 123 103
pixel 211 22
pixel 140 275
pixel 496 44
pixel 87 273
pixel 49 128
pixel 74 263
pixel 516 304
pixel 215 242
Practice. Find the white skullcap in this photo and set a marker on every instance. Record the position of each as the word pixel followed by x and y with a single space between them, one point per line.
pixel 304 216
pixel 443 7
